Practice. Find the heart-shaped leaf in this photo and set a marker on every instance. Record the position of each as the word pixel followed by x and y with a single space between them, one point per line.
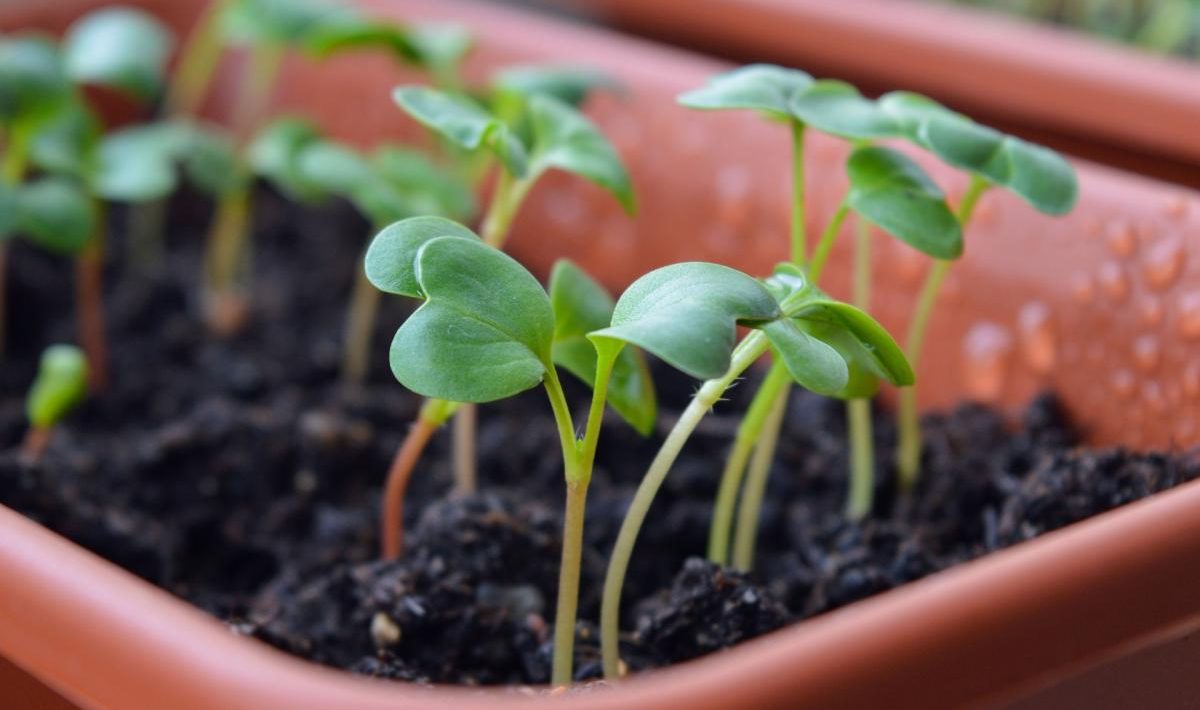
pixel 569 84
pixel 391 257
pixel 273 155
pixel 209 157
pixel 910 110
pixel 879 353
pixel 464 123
pixel 136 164
pixel 55 214
pixel 893 192
pixel 812 363
pixel 759 87
pixel 65 142
pixel 335 168
pixel 1042 177
pixel 564 139
pixel 837 108
pixel 686 314
pixel 119 47
pixel 32 78
pixel 61 383
pixel 485 331
pixel 424 188
pixel 581 306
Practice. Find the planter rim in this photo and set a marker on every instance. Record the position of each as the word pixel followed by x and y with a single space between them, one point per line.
pixel 116 640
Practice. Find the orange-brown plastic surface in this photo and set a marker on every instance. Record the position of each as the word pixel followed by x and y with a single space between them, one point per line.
pixel 1103 306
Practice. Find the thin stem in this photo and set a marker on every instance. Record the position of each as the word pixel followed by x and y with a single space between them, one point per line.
pixel 862 459
pixel 360 326
pixel 391 535
pixel 908 452
pixel 583 454
pixel 89 303
pixel 862 263
pixel 226 251
pixel 799 238
pixel 256 89
pixel 197 63
pixel 464 456
pixel 756 486
pixel 562 418
pixel 750 349
pixel 34 445
pixel 749 429
pixel 828 237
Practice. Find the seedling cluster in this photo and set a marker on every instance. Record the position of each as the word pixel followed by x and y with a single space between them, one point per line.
pixel 485 328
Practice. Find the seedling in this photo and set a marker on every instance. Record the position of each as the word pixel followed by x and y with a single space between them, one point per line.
pixel 487 331
pixel 61 384
pixel 557 137
pixel 390 185
pixel 686 315
pixel 886 189
pixel 52 129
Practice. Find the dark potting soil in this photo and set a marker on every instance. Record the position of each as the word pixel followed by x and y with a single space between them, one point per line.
pixel 241 476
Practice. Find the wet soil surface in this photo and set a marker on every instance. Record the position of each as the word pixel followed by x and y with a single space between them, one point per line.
pixel 241 476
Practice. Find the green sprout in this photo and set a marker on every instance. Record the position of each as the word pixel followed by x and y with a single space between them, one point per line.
pixel 61 384
pixel 50 127
pixel 487 331
pixel 686 315
pixel 389 185
pixel 542 133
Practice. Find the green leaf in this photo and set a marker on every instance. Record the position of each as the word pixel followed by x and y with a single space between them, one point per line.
pixel 282 22
pixel 564 139
pixel 760 87
pixel 60 385
pixel 209 157
pixel 893 192
pixel 1038 175
pixel 55 214
pixel 359 33
pixel 879 353
pixel 273 155
pixel 136 164
pixel 485 331
pixel 910 111
pixel 440 46
pixel 424 187
pixel 390 262
pixel 837 108
pixel 581 306
pixel 65 143
pixel 464 123
pixel 812 363
pixel 119 47
pixel 686 315
pixel 336 168
pixel 569 84
pixel 32 79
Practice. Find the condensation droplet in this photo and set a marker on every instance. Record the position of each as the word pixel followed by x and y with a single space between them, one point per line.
pixel 1185 430
pixel 1152 396
pixel 1177 207
pixel 1114 281
pixel 1151 310
pixel 987 348
pixel 1083 289
pixel 1123 383
pixel 1191 380
pixel 1037 337
pixel 1146 353
pixel 1189 315
pixel 1163 263
pixel 1121 239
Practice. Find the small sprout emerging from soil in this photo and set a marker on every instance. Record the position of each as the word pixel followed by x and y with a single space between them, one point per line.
pixel 61 384
pixel 486 331
pixel 686 315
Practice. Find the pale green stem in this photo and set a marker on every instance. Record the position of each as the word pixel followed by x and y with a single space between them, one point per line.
pixel 828 237
pixel 256 90
pixel 908 452
pixel 751 426
pixel 578 457
pixel 799 238
pixel 756 485
pixel 749 350
pixel 197 63
pixel 360 326
pixel 858 411
pixel 862 263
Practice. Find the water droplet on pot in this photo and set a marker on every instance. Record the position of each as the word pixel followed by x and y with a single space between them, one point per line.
pixel 1152 395
pixel 1146 353
pixel 1121 239
pixel 1185 429
pixel 987 348
pixel 1113 280
pixel 1083 289
pixel 1163 263
pixel 1123 383
pixel 1037 337
pixel 1191 380
pixel 1151 311
pixel 1189 315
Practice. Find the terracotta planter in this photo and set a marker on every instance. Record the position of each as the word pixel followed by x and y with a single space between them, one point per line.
pixel 1103 306
pixel 1083 95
